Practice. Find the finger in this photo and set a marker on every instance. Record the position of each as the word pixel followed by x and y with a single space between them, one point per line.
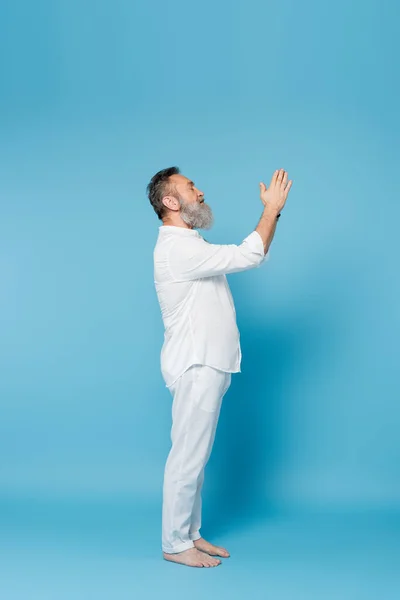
pixel 284 180
pixel 289 185
pixel 280 176
pixel 274 177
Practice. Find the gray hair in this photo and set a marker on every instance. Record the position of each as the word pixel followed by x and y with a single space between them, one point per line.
pixel 158 187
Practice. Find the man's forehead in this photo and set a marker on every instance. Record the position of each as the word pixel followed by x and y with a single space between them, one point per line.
pixel 178 178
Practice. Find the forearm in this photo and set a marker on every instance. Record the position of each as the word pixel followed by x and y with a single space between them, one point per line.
pixel 267 225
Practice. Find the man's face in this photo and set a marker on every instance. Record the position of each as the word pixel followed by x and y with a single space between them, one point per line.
pixel 186 190
pixel 193 209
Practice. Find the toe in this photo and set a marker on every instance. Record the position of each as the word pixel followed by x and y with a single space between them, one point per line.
pixel 222 552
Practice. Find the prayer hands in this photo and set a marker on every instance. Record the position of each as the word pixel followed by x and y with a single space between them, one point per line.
pixel 275 196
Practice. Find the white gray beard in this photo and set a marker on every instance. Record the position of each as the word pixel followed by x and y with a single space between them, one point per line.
pixel 196 215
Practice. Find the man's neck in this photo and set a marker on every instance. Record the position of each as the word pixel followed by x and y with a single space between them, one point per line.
pixel 176 223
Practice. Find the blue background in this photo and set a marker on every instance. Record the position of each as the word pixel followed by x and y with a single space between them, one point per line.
pixel 94 99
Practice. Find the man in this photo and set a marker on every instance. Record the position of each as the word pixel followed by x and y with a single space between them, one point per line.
pixel 201 342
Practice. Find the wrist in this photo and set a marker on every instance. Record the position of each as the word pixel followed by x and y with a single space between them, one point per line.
pixel 271 211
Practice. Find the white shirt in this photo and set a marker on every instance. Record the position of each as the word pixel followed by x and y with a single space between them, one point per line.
pixel 195 299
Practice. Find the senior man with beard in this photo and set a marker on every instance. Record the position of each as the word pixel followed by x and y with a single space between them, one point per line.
pixel 201 342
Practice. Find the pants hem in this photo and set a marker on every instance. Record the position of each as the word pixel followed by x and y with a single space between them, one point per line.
pixel 195 536
pixel 179 548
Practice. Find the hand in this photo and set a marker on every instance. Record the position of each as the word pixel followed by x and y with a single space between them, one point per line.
pixel 275 196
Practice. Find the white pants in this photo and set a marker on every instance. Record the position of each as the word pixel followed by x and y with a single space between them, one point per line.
pixel 197 398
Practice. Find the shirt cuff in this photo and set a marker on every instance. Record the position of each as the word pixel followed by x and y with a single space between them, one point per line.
pixel 256 245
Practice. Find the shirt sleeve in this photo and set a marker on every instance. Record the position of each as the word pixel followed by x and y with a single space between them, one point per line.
pixel 196 258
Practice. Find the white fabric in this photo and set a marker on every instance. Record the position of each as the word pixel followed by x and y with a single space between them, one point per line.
pixel 195 299
pixel 197 398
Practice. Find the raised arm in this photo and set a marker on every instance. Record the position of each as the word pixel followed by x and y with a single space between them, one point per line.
pixel 274 199
pixel 196 258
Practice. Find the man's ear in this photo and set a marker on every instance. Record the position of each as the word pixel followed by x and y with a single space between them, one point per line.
pixel 170 202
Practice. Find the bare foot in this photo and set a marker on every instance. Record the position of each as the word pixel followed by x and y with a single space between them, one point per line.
pixel 204 546
pixel 192 558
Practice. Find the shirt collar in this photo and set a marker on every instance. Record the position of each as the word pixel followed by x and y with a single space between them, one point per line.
pixel 178 230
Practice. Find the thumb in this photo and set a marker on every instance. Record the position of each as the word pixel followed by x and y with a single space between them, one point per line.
pixel 262 187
